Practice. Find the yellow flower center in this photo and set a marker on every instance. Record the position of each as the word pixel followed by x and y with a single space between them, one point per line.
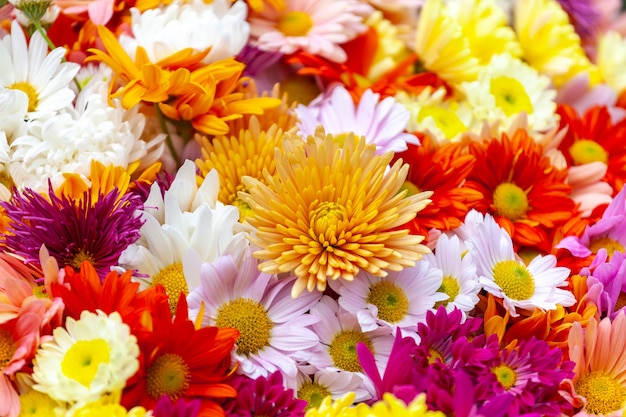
pixel 450 286
pixel 434 356
pixel 586 151
pixel 621 301
pixel 514 280
pixel 603 392
pixel 390 299
pixel 245 211
pixel 313 393
pixel 252 321
pixel 445 120
pixel 294 24
pixel 607 243
pixel 7 348
pixel 342 349
pixel 168 375
pixel 510 201
pixel 174 282
pixel 506 376
pixel 411 189
pixel 82 361
pixel 326 220
pixel 31 93
pixel 81 256
pixel 36 404
pixel 510 95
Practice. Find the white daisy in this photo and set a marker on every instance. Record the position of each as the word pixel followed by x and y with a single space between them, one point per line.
pixel 219 25
pixel 324 383
pixel 339 332
pixel 507 87
pixel 273 326
pixel 71 140
pixel 503 275
pixel 38 74
pixel 91 357
pixel 383 122
pixel 183 228
pixel 460 281
pixel 399 300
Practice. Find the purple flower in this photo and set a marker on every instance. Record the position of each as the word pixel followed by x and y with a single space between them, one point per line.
pixel 72 231
pixel 606 280
pixel 165 407
pixel 584 16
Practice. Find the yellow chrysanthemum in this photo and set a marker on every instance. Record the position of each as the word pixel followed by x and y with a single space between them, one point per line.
pixel 249 154
pixel 259 5
pixel 485 26
pixel 391 49
pixel 550 43
pixel 338 408
pixel 331 210
pixel 441 46
pixel 611 60
pixel 109 406
pixel 390 406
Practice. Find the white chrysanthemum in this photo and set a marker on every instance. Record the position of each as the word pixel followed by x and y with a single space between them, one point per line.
pixel 40 75
pixel 339 333
pixel 184 224
pixel 87 359
pixel 503 275
pixel 325 383
pixel 444 120
pixel 399 300
pixel 611 59
pixel 273 326
pixel 196 24
pixel 460 281
pixel 507 87
pixel 383 122
pixel 72 139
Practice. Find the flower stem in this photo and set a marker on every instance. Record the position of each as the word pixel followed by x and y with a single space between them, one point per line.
pixel 168 138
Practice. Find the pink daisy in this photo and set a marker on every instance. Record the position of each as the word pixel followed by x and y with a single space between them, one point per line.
pixel 382 122
pixel 314 26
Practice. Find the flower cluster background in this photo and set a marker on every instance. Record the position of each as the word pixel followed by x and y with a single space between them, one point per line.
pixel 320 208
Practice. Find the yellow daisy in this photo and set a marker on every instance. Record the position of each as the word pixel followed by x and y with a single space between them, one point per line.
pixel 550 43
pixel 331 210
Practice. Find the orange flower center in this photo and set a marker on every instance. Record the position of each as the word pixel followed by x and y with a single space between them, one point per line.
pixel 313 393
pixel 510 201
pixel 168 375
pixel 604 394
pixel 343 349
pixel 585 151
pixel 7 348
pixel 295 24
pixel 390 299
pixel 326 220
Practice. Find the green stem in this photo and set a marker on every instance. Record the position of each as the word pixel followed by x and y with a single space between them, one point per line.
pixel 168 138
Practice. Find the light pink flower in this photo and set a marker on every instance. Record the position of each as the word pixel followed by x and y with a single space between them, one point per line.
pixel 99 11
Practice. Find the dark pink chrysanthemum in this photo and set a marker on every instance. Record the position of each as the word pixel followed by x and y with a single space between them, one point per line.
pixel 96 231
pixel 165 407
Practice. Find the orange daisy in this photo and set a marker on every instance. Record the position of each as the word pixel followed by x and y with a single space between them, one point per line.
pixel 441 170
pixel 593 137
pixel 524 192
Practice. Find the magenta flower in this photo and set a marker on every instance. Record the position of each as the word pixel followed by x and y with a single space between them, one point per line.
pixel 606 280
pixel 165 407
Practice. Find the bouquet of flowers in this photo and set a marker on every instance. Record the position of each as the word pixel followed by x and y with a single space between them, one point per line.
pixel 314 208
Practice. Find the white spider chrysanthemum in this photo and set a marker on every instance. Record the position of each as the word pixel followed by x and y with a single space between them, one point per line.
pixel 38 74
pixel 536 285
pixel 88 358
pixel 507 87
pixel 70 141
pixel 196 24
pixel 183 228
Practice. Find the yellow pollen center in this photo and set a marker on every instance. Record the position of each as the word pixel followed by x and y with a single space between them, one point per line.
pixel 411 189
pixel 295 24
pixel 81 256
pixel 245 211
pixel 510 201
pixel 326 220
pixel 514 280
pixel 7 348
pixel 434 356
pixel 603 392
pixel 607 243
pixel 450 286
pixel 510 95
pixel 82 361
pixel 390 299
pixel 586 151
pixel 36 404
pixel 31 93
pixel 445 120
pixel 168 375
pixel 621 301
pixel 506 376
pixel 40 292
pixel 252 321
pixel 342 349
pixel 173 281
pixel 313 393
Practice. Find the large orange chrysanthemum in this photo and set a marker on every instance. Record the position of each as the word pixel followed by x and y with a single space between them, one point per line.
pixel 525 193
pixel 331 210
pixel 441 170
pixel 595 138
